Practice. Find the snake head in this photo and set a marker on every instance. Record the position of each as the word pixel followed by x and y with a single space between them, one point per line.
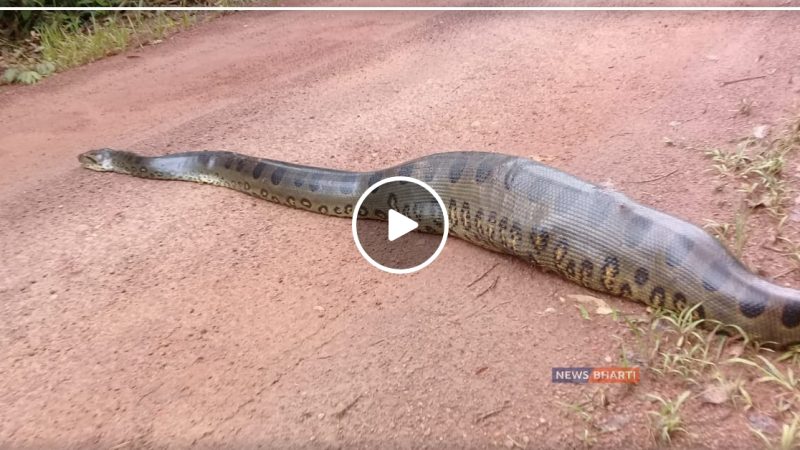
pixel 101 160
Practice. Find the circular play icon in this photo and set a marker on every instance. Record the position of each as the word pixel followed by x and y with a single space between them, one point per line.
pixel 400 225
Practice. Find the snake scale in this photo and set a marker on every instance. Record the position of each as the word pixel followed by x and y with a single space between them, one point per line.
pixel 591 235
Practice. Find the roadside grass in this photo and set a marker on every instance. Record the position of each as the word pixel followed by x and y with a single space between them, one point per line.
pixel 758 163
pixel 58 45
pixel 67 49
pixel 713 364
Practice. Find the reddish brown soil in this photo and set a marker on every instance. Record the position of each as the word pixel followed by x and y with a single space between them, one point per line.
pixel 143 313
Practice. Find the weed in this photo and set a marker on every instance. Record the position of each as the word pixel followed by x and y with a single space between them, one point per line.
pixel 772 374
pixel 667 420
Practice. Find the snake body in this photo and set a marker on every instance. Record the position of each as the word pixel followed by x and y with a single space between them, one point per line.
pixel 590 235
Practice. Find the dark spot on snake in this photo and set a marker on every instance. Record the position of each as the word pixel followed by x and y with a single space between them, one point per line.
pixel 467 216
pixel 305 202
pixel 641 276
pixel 452 207
pixel 457 169
pixel 374 178
pixel 678 250
pixel 348 209
pixel 240 165
pixel 516 234
pixel 636 229
pixel 479 221
pixel 203 158
pixel 290 201
pixel 323 209
pixel 679 300
pixel 625 290
pixel 587 270
pixel 363 211
pixel 337 210
pixel 258 170
pixel 314 183
pixel 143 169
pixel 560 251
pixel 609 271
pixel 275 199
pixel 492 218
pixel 406 170
pixel 246 186
pixel 502 226
pixel 392 201
pixel 570 269
pixel 753 303
pixel 483 171
pixel 790 317
pixel 714 276
pixel 539 238
pixel 380 214
pixel 277 175
pixel 298 181
pixel 229 162
pixel 700 312
pixel 348 184
pixel 657 296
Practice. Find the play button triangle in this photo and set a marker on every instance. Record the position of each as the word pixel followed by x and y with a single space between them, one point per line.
pixel 399 225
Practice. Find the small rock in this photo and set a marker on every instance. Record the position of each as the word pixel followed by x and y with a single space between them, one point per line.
pixel 674 123
pixel 716 395
pixel 475 124
pixel 613 423
pixel 321 416
pixel 761 131
pixel 549 310
pixel 762 422
pixel 319 308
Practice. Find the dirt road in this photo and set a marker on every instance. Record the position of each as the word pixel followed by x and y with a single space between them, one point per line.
pixel 143 313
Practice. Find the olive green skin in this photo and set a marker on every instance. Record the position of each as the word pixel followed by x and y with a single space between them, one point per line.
pixel 590 235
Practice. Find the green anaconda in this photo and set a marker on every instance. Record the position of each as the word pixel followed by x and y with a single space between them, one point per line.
pixel 590 235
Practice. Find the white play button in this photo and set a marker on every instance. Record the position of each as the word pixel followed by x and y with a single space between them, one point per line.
pixel 400 225
pixel 407 204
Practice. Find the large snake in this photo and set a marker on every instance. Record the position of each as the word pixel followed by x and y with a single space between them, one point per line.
pixel 588 234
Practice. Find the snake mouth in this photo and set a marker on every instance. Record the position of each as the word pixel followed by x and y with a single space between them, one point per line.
pixel 87 159
pixel 93 160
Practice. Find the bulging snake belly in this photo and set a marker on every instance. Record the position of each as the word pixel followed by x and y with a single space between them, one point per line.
pixel 590 235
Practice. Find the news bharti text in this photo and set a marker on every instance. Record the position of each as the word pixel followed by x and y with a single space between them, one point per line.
pixel 587 375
